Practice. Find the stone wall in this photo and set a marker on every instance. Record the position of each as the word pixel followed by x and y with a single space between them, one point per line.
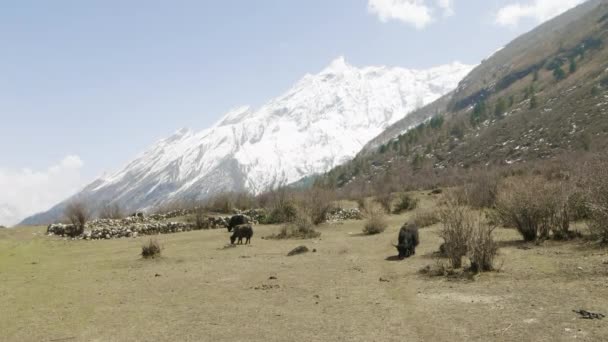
pixel 132 226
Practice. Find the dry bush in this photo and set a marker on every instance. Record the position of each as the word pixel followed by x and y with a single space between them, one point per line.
pixel 280 205
pixel 316 203
pixel 199 218
pixel 482 191
pixel 77 213
pixel 151 249
pixel 458 225
pixel 597 185
pixel 481 247
pixel 300 228
pixel 375 218
pixel 426 218
pixel 221 203
pixel 111 211
pixel 534 206
pixel 386 201
pixel 406 203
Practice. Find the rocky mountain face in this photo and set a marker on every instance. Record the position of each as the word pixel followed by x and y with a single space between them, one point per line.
pixel 543 96
pixel 322 122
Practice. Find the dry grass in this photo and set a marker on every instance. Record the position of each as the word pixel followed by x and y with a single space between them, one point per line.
pixel 426 218
pixel 102 291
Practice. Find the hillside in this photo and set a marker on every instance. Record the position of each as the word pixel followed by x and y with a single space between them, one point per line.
pixel 543 95
pixel 322 122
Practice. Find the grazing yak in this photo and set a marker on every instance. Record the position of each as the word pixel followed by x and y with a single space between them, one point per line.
pixel 237 220
pixel 408 240
pixel 241 231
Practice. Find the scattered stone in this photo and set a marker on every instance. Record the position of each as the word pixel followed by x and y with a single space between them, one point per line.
pixel 314 250
pixel 267 287
pixel 589 315
pixel 298 250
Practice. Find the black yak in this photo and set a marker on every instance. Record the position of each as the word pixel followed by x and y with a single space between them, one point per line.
pixel 241 231
pixel 408 240
pixel 237 220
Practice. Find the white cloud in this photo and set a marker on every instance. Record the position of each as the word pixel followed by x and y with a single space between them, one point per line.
pixel 413 12
pixel 26 192
pixel 447 6
pixel 538 10
pixel 418 13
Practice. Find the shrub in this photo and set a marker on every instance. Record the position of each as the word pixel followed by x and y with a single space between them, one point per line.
pixel 376 219
pixel 77 213
pixel 280 205
pixel 111 211
pixel 221 203
pixel 199 218
pixel 300 228
pixel 482 248
pixel 151 249
pixel 578 206
pixel 316 203
pixel 426 219
pixel 534 206
pixel 385 200
pixel 597 183
pixel 406 203
pixel 456 231
pixel 481 193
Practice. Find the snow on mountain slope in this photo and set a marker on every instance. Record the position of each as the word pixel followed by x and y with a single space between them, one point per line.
pixel 323 121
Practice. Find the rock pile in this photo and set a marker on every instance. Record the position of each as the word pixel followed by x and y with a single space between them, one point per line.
pixel 340 214
pixel 62 229
pixel 256 215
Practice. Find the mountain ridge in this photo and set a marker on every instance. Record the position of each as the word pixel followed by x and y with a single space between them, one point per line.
pixel 330 115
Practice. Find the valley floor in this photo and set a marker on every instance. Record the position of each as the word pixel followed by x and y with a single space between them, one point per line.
pixel 57 290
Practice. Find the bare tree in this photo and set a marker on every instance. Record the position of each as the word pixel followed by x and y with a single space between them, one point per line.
pixel 78 214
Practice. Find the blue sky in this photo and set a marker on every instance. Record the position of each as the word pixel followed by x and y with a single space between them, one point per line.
pixel 86 85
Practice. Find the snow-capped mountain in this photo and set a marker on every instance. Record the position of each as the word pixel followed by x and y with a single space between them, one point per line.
pixel 323 121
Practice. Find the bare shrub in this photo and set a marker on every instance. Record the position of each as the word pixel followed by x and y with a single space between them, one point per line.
pixel 426 218
pixel 199 218
pixel 151 249
pixel 280 205
pixel 406 203
pixel 221 203
pixel 77 213
pixel 482 191
pixel 534 206
pixel 481 247
pixel 375 219
pixel 316 203
pixel 597 185
pixel 300 228
pixel 111 211
pixel 456 231
pixel 386 201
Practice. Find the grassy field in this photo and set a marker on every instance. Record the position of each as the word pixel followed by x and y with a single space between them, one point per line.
pixel 350 289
